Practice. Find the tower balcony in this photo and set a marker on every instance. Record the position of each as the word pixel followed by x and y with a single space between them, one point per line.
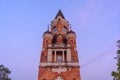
pixel 59 45
pixel 59 64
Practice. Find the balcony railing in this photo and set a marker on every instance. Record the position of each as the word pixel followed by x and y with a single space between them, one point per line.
pixel 57 64
pixel 58 45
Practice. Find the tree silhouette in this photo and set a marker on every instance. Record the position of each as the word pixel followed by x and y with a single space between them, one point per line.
pixel 116 74
pixel 4 72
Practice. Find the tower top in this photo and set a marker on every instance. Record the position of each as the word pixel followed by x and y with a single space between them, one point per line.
pixel 60 14
pixel 59 57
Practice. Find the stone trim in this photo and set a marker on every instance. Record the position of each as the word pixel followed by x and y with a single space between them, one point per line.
pixel 50 64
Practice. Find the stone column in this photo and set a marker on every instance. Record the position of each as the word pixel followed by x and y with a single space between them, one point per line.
pixel 49 55
pixel 68 55
pixel 63 56
pixel 55 56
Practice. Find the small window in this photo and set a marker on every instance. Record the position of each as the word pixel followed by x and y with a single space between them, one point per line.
pixel 54 39
pixel 59 19
pixel 59 56
pixel 64 29
pixel 65 41
pixel 53 52
pixel 54 29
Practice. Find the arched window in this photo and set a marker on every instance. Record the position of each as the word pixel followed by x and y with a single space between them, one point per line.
pixel 54 29
pixel 59 56
pixel 59 19
pixel 64 29
pixel 64 40
pixel 54 40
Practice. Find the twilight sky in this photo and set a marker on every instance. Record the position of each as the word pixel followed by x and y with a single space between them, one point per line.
pixel 23 22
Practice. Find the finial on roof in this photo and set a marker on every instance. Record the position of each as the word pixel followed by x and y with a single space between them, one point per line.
pixel 48 28
pixel 70 27
pixel 47 32
pixel 70 31
pixel 60 14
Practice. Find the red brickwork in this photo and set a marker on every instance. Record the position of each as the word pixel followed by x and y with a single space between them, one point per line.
pixel 59 57
pixel 74 74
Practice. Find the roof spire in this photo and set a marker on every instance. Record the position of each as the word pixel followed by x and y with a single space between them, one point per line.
pixel 60 14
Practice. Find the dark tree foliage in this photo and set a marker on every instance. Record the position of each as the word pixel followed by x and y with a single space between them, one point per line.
pixel 116 74
pixel 4 72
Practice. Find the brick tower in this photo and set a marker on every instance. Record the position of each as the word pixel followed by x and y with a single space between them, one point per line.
pixel 59 57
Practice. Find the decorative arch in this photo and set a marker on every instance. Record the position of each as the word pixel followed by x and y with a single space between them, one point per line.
pixel 54 29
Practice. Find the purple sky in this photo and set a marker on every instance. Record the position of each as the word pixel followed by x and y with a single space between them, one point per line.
pixel 96 23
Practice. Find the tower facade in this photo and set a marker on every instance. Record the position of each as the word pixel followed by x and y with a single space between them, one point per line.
pixel 59 57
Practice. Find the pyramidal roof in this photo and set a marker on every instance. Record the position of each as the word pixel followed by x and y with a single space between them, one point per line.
pixel 60 14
